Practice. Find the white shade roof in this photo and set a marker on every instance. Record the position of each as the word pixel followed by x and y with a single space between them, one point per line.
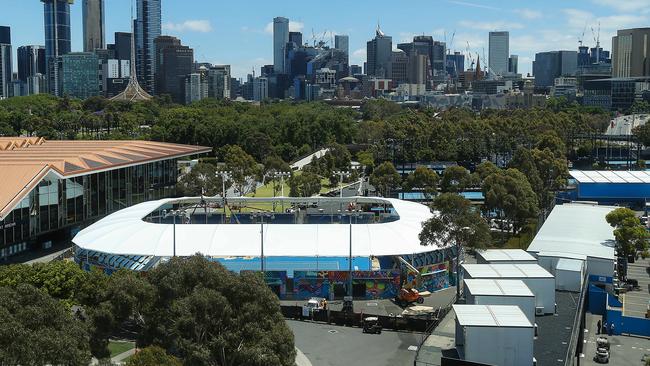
pixel 505 255
pixel 609 176
pixel 576 229
pixel 566 264
pixel 494 287
pixel 124 232
pixel 505 270
pixel 491 316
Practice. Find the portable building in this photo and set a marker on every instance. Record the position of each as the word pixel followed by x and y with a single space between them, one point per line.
pixel 501 292
pixel 538 280
pixel 494 335
pixel 569 274
pixel 493 256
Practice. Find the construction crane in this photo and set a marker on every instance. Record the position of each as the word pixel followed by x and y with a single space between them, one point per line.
pixel 469 56
pixel 582 37
pixel 451 43
pixel 597 40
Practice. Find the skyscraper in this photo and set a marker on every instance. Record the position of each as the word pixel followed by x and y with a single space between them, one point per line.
pixel 57 37
pixel 553 64
pixel 93 25
pixel 5 62
pixel 79 74
pixel 342 42
pixel 31 61
pixel 631 53
pixel 173 63
pixel 280 39
pixel 147 28
pixel 513 64
pixel 122 46
pixel 379 52
pixel 499 50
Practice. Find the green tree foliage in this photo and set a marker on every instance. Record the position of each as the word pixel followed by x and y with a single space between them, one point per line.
pixel 546 172
pixel 424 179
pixel 153 356
pixel 385 178
pixel 201 180
pixel 379 109
pixel 642 134
pixel 455 179
pixel 630 234
pixel 509 193
pixel 273 165
pixel 306 184
pixel 208 315
pixel 484 170
pixel 243 167
pixel 36 329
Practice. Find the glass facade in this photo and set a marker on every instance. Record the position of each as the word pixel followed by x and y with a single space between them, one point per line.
pixel 148 27
pixel 79 75
pixel 68 204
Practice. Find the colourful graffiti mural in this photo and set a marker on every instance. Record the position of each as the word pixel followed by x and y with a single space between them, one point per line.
pixel 378 284
pixel 432 277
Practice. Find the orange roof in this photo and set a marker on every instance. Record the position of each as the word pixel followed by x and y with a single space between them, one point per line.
pixel 24 161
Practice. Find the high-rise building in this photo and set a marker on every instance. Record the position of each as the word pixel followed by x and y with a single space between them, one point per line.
pixel 513 64
pixel 122 46
pixel 6 69
pixel 196 87
pixel 280 40
pixel 342 42
pixel 147 28
pixel 295 37
pixel 499 50
pixel 31 61
pixel 93 24
pixel 631 53
pixel 455 64
pixel 356 70
pixel 260 88
pixel 219 82
pixel 553 64
pixel 115 76
pixel 173 63
pixel 57 38
pixel 379 53
pixel 399 67
pixel 79 74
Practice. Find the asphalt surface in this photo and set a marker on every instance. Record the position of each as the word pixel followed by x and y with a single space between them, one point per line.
pixel 624 350
pixel 330 345
pixel 636 302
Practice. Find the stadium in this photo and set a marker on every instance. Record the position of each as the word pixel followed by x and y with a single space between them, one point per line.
pixel 303 245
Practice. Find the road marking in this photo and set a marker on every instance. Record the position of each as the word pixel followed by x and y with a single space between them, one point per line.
pixel 332 331
pixel 413 348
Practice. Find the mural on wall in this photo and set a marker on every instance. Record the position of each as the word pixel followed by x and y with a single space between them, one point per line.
pixel 378 284
pixel 276 280
pixel 431 277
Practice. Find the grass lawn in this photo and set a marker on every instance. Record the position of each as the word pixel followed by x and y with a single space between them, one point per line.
pixel 117 347
pixel 519 241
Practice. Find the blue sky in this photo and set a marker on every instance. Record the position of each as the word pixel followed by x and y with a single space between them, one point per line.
pixel 238 32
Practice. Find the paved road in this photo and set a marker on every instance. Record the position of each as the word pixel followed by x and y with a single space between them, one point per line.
pixel 635 303
pixel 624 350
pixel 330 345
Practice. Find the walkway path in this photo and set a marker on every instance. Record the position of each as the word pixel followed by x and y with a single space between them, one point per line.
pixel 635 303
pixel 301 359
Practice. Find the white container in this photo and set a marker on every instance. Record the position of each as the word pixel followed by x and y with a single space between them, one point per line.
pixel 493 256
pixel 569 274
pixel 501 292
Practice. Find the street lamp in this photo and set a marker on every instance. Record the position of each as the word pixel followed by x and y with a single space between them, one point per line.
pixel 459 249
pixel 262 215
pixel 351 212
pixel 174 213
pixel 341 174
pixel 225 175
pixel 281 175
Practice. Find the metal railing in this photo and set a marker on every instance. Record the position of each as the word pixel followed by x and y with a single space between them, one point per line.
pixel 440 316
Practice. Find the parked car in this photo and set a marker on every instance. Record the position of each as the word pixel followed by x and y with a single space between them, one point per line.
pixel 371 325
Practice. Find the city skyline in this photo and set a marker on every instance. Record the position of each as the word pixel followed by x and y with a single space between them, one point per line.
pixel 217 34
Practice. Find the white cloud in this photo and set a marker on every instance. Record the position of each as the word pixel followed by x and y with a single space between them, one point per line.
pixel 490 26
pixel 626 5
pixel 358 56
pixel 472 5
pixel 528 13
pixel 293 27
pixel 202 26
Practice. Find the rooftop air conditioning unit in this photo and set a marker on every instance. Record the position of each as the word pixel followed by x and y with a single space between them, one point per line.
pixel 539 310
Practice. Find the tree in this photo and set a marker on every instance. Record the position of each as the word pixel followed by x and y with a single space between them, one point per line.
pixel 153 356
pixel 630 234
pixel 455 221
pixel 208 315
pixel 36 329
pixel 455 179
pixel 642 134
pixel 202 179
pixel 245 170
pixel 485 169
pixel 509 193
pixel 272 166
pixel 545 171
pixel 424 179
pixel 385 178
pixel 306 184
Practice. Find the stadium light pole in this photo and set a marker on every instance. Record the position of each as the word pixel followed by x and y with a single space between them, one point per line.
pixel 262 215
pixel 224 174
pixel 174 214
pixel 351 213
pixel 341 174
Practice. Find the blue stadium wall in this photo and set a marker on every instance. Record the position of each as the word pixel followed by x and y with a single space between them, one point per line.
pixel 613 191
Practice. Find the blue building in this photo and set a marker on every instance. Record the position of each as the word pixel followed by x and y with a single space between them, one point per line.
pixel 57 37
pixel 612 186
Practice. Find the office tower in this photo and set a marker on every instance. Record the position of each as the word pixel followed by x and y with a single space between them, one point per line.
pixel 31 61
pixel 438 55
pixel 57 38
pixel 342 42
pixel 356 70
pixel 173 63
pixel 6 68
pixel 280 39
pixel 196 87
pixel 260 88
pixel 219 82
pixel 513 64
pixel 93 24
pixel 399 67
pixel 379 52
pixel 631 53
pixel 455 64
pixel 499 49
pixel 115 76
pixel 122 46
pixel 553 64
pixel 296 38
pixel 79 74
pixel 147 28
